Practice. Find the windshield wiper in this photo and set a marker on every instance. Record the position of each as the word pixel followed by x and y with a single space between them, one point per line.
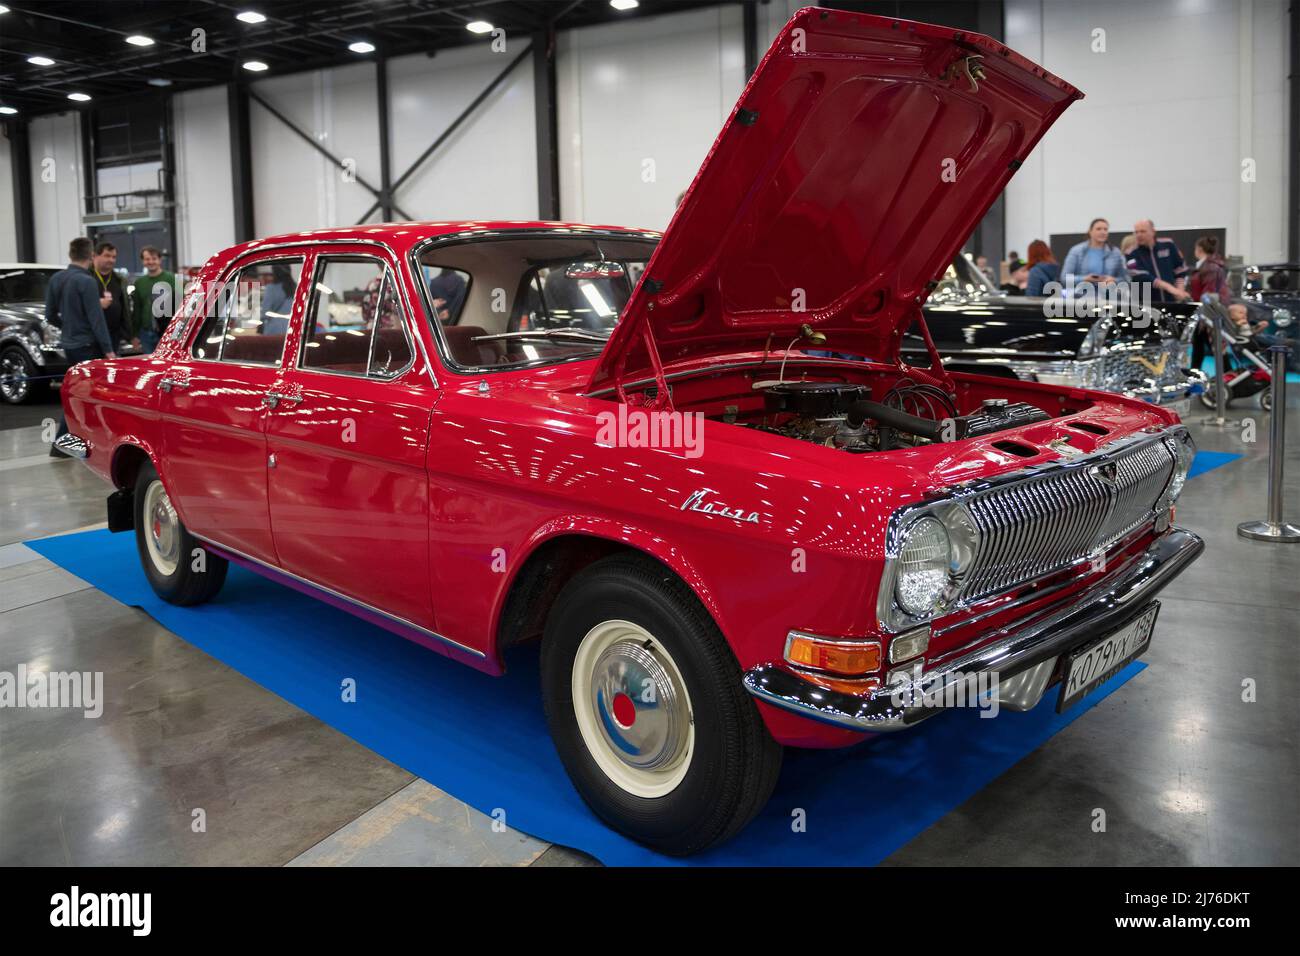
pixel 579 334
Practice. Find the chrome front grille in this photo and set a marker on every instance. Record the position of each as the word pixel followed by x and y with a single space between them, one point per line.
pixel 1036 525
pixel 1134 366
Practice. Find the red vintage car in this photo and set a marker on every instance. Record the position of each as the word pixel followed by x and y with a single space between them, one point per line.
pixel 693 466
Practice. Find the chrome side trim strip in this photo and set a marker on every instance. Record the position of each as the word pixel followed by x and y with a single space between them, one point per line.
pixel 401 621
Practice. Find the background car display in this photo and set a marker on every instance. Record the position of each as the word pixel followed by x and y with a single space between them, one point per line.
pixel 1140 354
pixel 29 346
pixel 30 357
pixel 441 460
pixel 1271 293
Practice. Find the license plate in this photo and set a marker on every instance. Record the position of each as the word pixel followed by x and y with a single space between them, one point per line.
pixel 1089 668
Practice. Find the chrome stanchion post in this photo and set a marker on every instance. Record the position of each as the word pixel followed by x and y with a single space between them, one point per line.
pixel 1219 418
pixel 1274 528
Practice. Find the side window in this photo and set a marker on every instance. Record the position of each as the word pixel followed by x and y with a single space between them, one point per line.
pixel 249 318
pixel 355 324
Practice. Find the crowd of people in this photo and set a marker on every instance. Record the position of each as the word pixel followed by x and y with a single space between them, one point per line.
pixel 96 314
pixel 1142 258
pixel 1095 264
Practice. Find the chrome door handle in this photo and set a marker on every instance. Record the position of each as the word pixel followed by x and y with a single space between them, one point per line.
pixel 272 399
pixel 167 383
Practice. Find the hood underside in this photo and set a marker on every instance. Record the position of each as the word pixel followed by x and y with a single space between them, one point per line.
pixel 857 161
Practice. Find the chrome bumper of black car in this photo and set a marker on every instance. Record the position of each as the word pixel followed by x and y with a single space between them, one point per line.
pixel 1110 605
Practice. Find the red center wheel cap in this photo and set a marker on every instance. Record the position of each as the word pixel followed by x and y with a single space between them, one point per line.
pixel 624 710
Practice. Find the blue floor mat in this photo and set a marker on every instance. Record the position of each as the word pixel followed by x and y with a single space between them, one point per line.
pixel 1208 461
pixel 484 739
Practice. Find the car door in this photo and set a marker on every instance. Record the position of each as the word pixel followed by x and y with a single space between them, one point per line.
pixel 213 409
pixel 348 434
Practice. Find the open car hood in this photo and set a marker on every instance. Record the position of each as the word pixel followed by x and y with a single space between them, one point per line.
pixel 859 158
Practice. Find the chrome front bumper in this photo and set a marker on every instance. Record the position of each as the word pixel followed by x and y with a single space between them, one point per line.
pixel 1079 619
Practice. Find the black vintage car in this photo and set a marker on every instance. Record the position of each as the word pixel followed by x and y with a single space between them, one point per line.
pixel 1140 352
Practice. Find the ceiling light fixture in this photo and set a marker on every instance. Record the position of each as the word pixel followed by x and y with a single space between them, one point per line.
pixel 478 26
pixel 79 97
pixel 137 39
pixel 361 46
pixel 160 81
pixel 255 66
pixel 250 16
pixel 40 61
pixel 7 110
pixel 624 4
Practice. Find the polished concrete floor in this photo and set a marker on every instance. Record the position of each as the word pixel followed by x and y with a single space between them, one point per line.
pixel 193 763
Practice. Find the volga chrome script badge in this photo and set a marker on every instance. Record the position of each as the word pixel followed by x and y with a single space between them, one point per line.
pixel 697 502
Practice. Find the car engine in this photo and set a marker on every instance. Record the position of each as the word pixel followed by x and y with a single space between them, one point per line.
pixel 842 415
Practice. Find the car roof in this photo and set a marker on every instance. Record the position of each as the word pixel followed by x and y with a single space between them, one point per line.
pixel 400 236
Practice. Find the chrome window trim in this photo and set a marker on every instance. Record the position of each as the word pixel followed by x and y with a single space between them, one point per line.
pixel 473 235
pixel 313 297
pixel 308 246
pixel 343 597
pixel 189 350
pixel 893 620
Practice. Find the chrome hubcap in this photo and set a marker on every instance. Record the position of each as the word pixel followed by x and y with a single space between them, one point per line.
pixel 632 708
pixel 163 530
pixel 13 378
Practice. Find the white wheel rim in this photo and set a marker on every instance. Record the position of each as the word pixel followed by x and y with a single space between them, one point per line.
pixel 162 532
pixel 632 709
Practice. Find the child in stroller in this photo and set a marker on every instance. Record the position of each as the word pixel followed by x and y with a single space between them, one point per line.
pixel 1244 371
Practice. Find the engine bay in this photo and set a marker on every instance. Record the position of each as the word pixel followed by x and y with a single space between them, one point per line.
pixel 842 415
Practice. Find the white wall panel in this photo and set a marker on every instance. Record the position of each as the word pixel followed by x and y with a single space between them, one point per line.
pixel 8 223
pixel 205 211
pixel 294 186
pixel 488 168
pixel 57 192
pixel 653 90
pixel 1158 134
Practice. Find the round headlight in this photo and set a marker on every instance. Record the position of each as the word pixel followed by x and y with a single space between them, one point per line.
pixel 923 563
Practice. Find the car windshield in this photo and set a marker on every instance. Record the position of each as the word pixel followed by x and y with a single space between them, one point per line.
pixel 531 300
pixel 24 285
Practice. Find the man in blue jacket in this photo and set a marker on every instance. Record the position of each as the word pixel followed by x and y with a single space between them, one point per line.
pixel 1158 262
pixel 74 303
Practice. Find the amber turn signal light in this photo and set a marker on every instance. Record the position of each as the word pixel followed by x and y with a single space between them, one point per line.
pixel 850 658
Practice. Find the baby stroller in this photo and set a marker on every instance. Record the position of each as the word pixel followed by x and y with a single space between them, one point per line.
pixel 1244 372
